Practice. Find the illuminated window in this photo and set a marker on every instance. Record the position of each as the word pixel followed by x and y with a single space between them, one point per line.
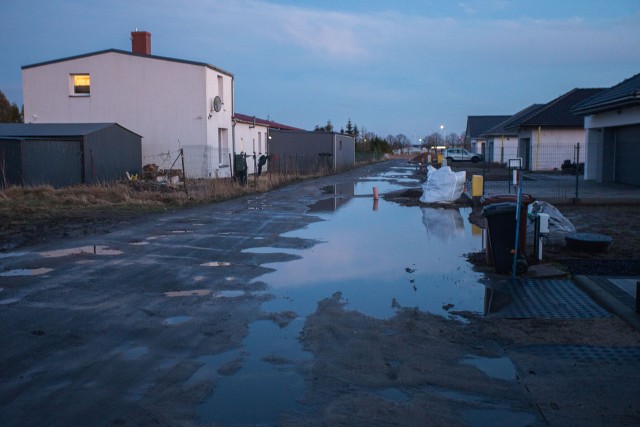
pixel 80 84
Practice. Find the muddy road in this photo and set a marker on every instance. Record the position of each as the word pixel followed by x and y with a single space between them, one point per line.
pixel 182 319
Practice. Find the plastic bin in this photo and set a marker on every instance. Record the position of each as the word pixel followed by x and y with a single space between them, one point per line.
pixel 501 228
pixel 526 200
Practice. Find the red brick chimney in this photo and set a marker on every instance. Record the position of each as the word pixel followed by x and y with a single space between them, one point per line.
pixel 141 42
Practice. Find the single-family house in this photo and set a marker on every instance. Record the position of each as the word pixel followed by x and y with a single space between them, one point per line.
pixel 177 106
pixel 612 127
pixel 62 154
pixel 476 127
pixel 310 151
pixel 502 144
pixel 550 135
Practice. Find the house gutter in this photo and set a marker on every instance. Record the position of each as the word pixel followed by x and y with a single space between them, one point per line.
pixel 628 101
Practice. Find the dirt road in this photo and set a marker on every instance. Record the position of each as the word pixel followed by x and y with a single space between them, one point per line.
pixel 143 322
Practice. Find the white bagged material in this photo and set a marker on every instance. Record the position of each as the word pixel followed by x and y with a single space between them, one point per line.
pixel 559 225
pixel 442 185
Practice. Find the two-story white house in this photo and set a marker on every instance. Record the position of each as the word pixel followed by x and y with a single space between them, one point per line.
pixel 175 105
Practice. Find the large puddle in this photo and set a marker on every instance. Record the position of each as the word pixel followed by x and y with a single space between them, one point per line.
pixel 380 255
pixel 379 260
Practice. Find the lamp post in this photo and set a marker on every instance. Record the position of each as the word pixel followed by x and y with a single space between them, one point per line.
pixel 444 140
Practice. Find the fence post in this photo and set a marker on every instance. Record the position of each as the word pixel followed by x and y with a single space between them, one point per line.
pixel 577 169
pixel 184 173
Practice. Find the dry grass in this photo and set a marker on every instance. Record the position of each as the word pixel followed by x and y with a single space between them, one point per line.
pixel 40 212
pixel 142 195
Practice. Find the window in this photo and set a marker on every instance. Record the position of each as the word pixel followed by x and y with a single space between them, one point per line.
pixel 220 89
pixel 80 84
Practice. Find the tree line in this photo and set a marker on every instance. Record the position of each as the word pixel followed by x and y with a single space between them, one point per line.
pixel 10 113
pixel 370 142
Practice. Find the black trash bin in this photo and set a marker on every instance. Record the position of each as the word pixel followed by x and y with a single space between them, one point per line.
pixel 501 227
pixel 240 168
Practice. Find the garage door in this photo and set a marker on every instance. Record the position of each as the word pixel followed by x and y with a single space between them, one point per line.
pixel 627 155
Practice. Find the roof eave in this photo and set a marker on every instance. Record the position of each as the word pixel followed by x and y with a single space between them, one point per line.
pixel 603 107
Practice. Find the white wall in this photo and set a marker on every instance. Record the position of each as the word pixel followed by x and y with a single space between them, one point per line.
pixel 250 139
pixel 504 148
pixel 554 146
pixel 628 116
pixel 166 102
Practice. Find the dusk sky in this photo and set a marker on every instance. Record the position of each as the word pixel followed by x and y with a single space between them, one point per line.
pixel 391 66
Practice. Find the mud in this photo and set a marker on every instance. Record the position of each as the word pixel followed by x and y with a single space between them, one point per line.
pixel 128 339
pixel 409 370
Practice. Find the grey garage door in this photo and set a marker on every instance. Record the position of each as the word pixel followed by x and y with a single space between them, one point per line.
pixel 627 155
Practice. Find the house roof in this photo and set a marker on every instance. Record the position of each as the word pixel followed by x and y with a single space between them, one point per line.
pixel 39 130
pixel 623 95
pixel 557 113
pixel 124 52
pixel 478 125
pixel 501 128
pixel 267 123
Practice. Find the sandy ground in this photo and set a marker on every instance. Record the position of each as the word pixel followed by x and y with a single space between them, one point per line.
pixel 82 347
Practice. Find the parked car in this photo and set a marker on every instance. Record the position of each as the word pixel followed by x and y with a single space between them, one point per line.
pixel 460 154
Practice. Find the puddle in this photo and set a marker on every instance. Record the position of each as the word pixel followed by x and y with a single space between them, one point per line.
pixel 271 250
pixel 396 256
pixel 176 320
pixel 393 394
pixel 12 254
pixel 131 352
pixel 501 368
pixel 91 250
pixel 216 264
pixel 272 388
pixel 159 236
pixel 499 418
pixel 25 272
pixel 229 294
pixel 191 293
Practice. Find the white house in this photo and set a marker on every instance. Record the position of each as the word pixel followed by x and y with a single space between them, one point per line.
pixel 549 135
pixel 173 104
pixel 476 127
pixel 502 144
pixel 612 123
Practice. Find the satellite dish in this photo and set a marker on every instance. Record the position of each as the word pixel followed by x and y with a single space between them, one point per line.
pixel 217 104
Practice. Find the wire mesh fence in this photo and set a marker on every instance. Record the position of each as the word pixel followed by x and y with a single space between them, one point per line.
pixel 549 172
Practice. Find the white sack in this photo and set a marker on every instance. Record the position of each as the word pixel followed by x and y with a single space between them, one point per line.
pixel 559 225
pixel 442 185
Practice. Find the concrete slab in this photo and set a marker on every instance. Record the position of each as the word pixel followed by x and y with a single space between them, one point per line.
pixel 545 271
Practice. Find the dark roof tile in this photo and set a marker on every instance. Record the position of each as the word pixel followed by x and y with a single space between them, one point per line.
pixel 557 113
pixel 477 125
pixel 34 130
pixel 624 94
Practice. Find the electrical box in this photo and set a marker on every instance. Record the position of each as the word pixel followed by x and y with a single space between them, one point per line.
pixel 544 223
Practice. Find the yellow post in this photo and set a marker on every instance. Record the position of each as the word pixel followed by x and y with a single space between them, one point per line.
pixel 538 147
pixel 476 185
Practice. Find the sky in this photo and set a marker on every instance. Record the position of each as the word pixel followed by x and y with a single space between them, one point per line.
pixel 391 67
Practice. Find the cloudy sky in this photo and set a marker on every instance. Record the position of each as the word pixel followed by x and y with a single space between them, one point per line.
pixel 396 66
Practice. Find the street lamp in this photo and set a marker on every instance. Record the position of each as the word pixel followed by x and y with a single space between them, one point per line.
pixel 444 141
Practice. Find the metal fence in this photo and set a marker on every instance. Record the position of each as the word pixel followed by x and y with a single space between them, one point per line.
pixel 551 172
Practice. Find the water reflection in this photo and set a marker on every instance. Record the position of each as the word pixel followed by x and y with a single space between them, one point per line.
pixel 443 224
pixel 366 254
